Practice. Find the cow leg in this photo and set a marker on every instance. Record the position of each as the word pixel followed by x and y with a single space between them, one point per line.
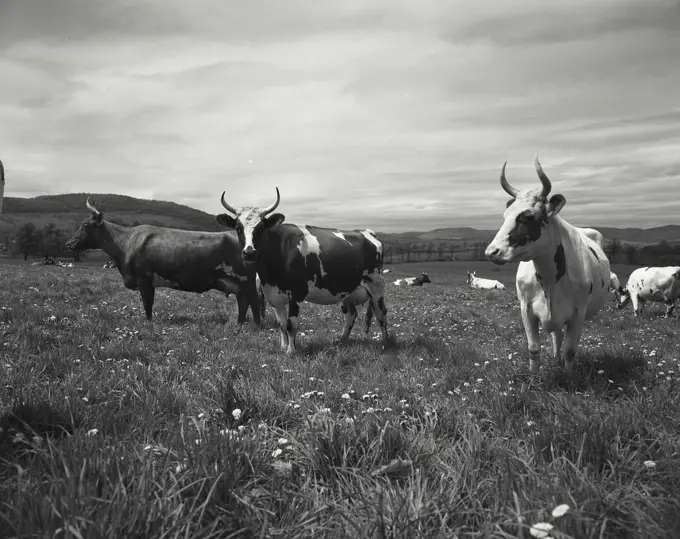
pixel 369 318
pixel 280 312
pixel 670 305
pixel 634 301
pixel 380 311
pixel 292 325
pixel 263 305
pixel 148 292
pixel 571 340
pixel 530 323
pixel 242 302
pixel 557 343
pixel 350 312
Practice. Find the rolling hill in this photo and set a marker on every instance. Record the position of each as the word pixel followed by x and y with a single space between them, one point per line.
pixel 68 210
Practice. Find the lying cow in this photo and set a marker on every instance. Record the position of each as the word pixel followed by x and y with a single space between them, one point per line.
pixel 563 274
pixel 652 284
pixel 298 263
pixel 413 281
pixel 49 261
pixel 150 257
pixel 386 271
pixel 485 284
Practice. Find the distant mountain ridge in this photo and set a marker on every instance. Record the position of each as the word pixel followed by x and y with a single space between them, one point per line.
pixel 68 210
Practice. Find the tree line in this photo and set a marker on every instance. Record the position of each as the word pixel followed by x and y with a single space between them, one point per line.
pixel 618 252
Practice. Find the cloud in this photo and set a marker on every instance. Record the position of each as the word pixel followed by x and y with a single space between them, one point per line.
pixel 388 114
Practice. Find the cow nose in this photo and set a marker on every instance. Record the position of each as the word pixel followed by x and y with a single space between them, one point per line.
pixel 492 251
pixel 249 253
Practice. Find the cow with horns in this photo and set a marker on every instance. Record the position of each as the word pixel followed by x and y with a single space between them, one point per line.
pixel 299 263
pixel 150 257
pixel 563 275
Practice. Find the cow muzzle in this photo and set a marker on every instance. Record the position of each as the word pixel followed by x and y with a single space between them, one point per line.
pixel 495 255
pixel 249 256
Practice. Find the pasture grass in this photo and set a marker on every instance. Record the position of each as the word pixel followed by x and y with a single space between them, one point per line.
pixel 113 427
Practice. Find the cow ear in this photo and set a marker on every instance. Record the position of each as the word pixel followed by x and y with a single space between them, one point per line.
pixel 274 219
pixel 226 220
pixel 509 202
pixel 555 205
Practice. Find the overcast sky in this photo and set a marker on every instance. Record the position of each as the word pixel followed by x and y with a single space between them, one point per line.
pixel 389 114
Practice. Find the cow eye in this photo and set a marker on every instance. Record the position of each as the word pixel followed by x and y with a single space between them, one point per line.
pixel 528 217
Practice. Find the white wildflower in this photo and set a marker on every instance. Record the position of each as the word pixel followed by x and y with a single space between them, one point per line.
pixel 560 510
pixel 541 529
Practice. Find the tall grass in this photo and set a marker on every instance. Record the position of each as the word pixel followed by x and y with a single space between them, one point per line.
pixel 113 427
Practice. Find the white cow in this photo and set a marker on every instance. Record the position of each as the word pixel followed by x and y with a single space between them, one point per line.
pixel 563 275
pixel 413 281
pixel 481 282
pixel 652 284
pixel 386 271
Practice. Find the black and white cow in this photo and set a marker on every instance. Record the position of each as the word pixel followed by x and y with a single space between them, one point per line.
pixel 150 257
pixel 563 275
pixel 652 284
pixel 299 263
pixel 413 281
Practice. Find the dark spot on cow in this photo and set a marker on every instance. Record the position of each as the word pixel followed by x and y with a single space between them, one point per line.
pixel 594 253
pixel 527 229
pixel 591 288
pixel 560 263
pixel 602 283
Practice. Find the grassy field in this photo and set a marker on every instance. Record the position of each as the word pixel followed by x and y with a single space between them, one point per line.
pixel 112 427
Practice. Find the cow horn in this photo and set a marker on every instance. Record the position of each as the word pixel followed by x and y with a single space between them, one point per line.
pixel 509 189
pixel 542 176
pixel 227 206
pixel 93 210
pixel 271 208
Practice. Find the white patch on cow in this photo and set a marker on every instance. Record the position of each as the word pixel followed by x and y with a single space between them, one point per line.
pixel 309 245
pixel 160 282
pixel 340 235
pixel 370 236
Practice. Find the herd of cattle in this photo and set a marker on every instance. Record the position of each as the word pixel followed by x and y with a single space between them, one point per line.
pixel 563 277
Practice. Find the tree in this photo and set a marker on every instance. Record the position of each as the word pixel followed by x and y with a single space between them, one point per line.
pixel 631 253
pixel 53 240
pixel 614 249
pixel 27 240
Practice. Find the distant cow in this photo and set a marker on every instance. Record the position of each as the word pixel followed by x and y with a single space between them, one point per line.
pixel 563 275
pixel 413 281
pixel 49 261
pixel 652 284
pixel 386 271
pixel 481 282
pixel 150 257
pixel 299 263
